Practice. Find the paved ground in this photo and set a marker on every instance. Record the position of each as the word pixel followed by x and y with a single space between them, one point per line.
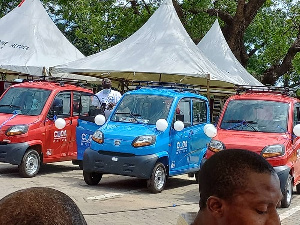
pixel 121 200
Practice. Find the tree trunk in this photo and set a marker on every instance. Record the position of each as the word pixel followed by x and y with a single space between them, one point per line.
pixel 271 75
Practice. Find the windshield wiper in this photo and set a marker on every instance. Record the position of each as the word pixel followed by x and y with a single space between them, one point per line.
pixel 239 123
pixel 11 106
pixel 133 115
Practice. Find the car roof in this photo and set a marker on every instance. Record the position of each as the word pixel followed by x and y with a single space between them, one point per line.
pixel 266 96
pixel 165 92
pixel 52 86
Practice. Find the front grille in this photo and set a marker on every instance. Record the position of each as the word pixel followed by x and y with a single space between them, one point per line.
pixel 121 154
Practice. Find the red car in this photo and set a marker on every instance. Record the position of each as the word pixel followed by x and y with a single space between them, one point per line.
pixel 44 122
pixel 264 120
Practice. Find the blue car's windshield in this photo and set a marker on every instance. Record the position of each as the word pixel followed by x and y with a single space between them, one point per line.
pixel 142 109
pixel 256 115
pixel 24 101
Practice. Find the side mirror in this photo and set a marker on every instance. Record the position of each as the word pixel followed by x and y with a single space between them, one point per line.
pixel 296 130
pixel 178 125
pixel 210 130
pixel 161 124
pixel 60 123
pixel 100 119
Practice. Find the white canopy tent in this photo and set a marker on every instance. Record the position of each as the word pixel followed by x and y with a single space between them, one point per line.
pixel 30 42
pixel 161 50
pixel 216 49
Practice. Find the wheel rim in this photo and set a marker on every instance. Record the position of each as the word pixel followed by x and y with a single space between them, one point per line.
pixel 32 164
pixel 159 178
pixel 289 191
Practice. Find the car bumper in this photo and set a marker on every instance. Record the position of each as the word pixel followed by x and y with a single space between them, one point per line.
pixel 12 153
pixel 119 163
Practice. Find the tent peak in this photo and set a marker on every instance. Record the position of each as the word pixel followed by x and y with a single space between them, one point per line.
pixel 20 4
pixel 167 2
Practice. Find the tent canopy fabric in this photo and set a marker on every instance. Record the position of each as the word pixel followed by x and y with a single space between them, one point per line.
pixel 216 49
pixel 30 42
pixel 161 50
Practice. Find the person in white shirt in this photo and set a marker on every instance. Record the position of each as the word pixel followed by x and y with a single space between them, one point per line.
pixel 108 97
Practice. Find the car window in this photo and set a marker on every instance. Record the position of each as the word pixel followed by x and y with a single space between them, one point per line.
pixel 142 108
pixel 61 105
pixel 85 104
pixel 297 114
pixel 199 111
pixel 24 101
pixel 256 115
pixel 183 111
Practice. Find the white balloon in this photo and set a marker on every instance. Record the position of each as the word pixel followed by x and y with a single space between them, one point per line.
pixel 210 130
pixel 178 125
pixel 100 119
pixel 161 124
pixel 296 130
pixel 60 123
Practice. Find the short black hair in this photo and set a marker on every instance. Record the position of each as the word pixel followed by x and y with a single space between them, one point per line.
pixel 225 172
pixel 40 205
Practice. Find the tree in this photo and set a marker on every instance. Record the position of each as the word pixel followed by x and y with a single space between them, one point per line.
pixel 264 35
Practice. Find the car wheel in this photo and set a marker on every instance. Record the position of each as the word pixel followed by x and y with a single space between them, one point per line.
pixel 30 164
pixel 158 178
pixel 92 178
pixel 197 177
pixel 81 165
pixel 288 192
pixel 298 188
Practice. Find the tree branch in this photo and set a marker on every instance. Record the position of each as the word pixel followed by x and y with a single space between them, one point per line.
pixel 274 72
pixel 134 6
pixel 147 7
pixel 250 10
pixel 226 17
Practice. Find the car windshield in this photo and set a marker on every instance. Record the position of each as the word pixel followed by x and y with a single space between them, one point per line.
pixel 142 109
pixel 256 116
pixel 24 101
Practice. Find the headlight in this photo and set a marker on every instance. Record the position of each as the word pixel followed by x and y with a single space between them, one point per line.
pixel 98 137
pixel 143 140
pixel 16 130
pixel 216 146
pixel 273 151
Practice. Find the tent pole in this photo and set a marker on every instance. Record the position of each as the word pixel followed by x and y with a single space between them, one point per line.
pixel 208 95
pixel 207 86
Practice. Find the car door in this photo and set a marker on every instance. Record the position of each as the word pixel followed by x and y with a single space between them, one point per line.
pixel 59 140
pixel 200 117
pixel 181 140
pixel 85 109
pixel 296 144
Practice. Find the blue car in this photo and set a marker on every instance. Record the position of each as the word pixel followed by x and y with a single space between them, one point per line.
pixel 152 133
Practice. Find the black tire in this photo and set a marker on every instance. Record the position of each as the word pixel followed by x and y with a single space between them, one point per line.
pixel 81 165
pixel 197 177
pixel 30 164
pixel 92 178
pixel 288 192
pixel 158 178
pixel 298 188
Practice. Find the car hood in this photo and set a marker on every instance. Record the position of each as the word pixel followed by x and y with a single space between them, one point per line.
pixel 253 141
pixel 10 119
pixel 127 131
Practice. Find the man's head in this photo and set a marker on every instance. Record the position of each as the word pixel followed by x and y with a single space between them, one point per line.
pixel 106 83
pixel 239 187
pixel 40 205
